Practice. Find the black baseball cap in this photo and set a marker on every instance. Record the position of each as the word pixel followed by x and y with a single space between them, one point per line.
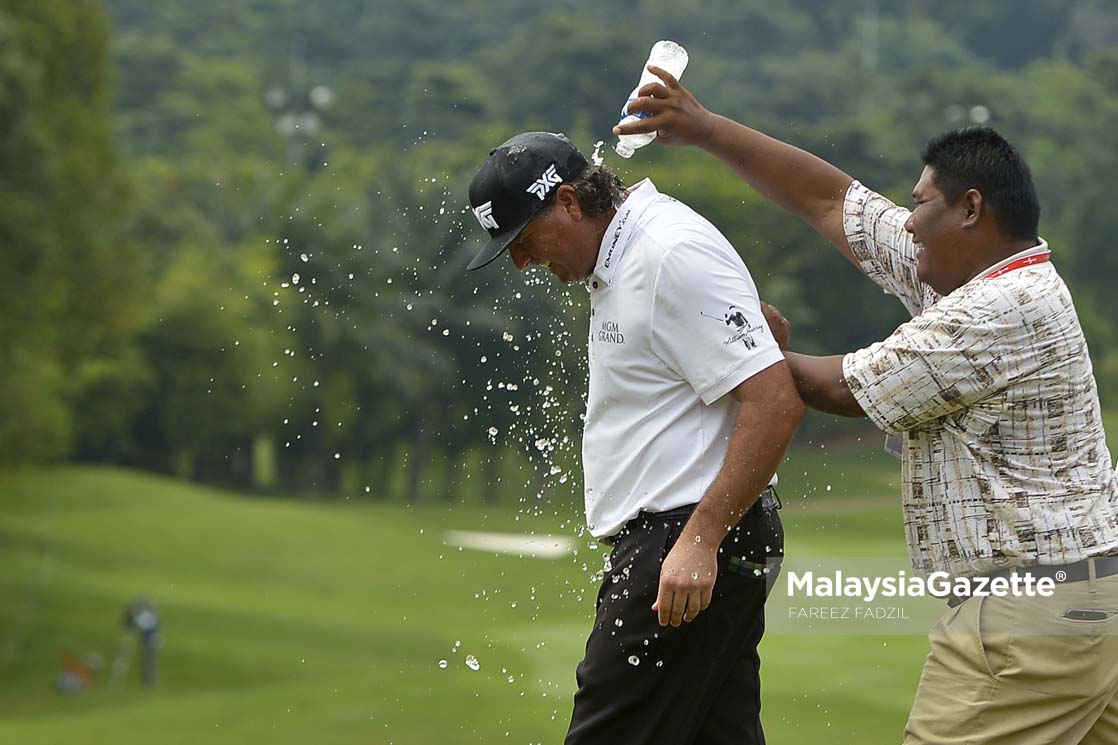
pixel 517 180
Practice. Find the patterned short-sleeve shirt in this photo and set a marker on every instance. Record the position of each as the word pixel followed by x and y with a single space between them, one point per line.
pixel 1005 460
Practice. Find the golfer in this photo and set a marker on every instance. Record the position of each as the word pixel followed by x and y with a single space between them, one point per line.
pixel 690 409
pixel 1005 465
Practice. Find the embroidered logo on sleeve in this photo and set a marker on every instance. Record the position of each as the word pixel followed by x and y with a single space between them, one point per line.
pixel 741 329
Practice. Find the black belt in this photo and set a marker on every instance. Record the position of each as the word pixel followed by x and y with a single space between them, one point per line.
pixel 1079 571
pixel 767 502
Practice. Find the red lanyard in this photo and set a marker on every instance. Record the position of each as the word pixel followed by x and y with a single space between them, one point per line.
pixel 1022 262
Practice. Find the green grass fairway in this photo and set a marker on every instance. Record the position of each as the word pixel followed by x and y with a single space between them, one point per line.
pixel 308 622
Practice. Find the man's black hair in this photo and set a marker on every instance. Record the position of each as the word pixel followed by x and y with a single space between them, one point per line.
pixel 980 158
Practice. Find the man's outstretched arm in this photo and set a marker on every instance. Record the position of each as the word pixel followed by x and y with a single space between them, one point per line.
pixel 770 412
pixel 791 178
pixel 820 383
pixel 819 380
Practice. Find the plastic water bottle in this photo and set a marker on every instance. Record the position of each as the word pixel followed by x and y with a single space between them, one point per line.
pixel 667 55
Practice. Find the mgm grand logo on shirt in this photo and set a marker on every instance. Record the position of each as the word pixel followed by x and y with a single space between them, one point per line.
pixel 610 333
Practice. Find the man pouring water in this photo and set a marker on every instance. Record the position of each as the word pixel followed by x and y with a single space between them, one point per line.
pixel 1005 468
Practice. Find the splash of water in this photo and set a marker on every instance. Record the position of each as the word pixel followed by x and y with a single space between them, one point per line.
pixel 597 157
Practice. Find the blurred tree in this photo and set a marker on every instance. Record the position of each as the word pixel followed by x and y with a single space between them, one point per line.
pixel 566 73
pixel 414 359
pixel 211 347
pixel 68 315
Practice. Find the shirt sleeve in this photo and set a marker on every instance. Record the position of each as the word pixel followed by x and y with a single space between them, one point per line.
pixel 949 358
pixel 874 228
pixel 706 323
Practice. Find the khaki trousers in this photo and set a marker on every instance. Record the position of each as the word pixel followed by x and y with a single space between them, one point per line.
pixel 1016 671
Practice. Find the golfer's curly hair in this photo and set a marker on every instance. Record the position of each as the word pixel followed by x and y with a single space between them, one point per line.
pixel 599 190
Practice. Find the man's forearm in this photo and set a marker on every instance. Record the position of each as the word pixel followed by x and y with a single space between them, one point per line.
pixel 792 178
pixel 821 384
pixel 757 446
pixel 770 412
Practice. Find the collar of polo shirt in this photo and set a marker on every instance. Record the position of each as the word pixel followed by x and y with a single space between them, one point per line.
pixel 1038 250
pixel 620 231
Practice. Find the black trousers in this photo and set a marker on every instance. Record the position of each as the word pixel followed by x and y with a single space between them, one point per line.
pixel 698 684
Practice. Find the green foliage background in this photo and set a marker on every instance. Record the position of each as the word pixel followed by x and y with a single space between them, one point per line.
pixel 165 172
pixel 208 275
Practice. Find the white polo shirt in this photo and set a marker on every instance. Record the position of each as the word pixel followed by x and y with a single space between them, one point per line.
pixel 675 325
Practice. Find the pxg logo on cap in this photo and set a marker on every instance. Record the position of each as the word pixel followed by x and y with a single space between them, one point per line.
pixel 516 182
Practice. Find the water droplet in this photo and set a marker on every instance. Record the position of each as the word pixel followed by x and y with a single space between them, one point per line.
pixel 472 663
pixel 694 576
pixel 493 431
pixel 295 278
pixel 443 664
pixel 619 623
pixel 698 539
pixel 506 336
pixel 304 258
pixel 634 660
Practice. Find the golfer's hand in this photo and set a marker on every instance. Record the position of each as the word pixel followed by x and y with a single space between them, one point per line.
pixel 778 325
pixel 686 581
pixel 677 118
